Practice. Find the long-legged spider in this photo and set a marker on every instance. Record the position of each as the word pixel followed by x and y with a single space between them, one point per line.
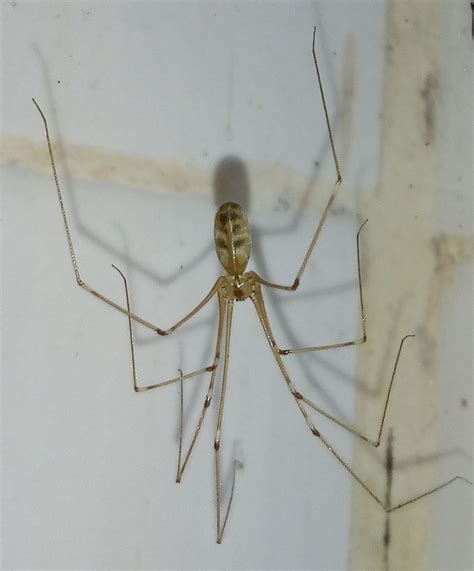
pixel 233 245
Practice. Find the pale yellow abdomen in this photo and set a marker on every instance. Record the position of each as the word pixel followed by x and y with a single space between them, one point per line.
pixel 232 237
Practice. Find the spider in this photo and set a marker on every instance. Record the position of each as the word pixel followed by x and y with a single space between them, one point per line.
pixel 233 243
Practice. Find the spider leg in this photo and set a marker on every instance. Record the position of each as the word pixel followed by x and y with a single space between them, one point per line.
pixel 139 319
pixel 384 506
pixel 332 196
pixel 221 522
pixel 181 378
pixel 257 299
pixel 376 442
pixel 75 264
pixel 262 314
pixel 359 341
pixel 207 401
pixel 260 307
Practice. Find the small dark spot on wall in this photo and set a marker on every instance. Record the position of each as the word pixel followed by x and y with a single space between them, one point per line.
pixel 426 343
pixel 444 257
pixel 339 210
pixel 386 536
pixel 428 95
pixel 282 205
pixel 464 402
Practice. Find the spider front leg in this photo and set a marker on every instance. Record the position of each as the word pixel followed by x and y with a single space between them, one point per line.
pixel 332 196
pixel 75 264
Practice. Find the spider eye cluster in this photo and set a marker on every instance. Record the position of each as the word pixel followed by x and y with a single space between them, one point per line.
pixel 232 237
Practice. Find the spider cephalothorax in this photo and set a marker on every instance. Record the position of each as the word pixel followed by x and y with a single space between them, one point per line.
pixel 239 288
